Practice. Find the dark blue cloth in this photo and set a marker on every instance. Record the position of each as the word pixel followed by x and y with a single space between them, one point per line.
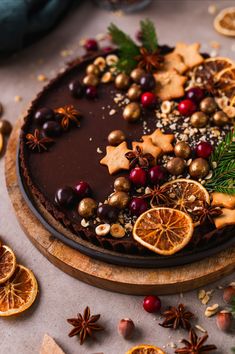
pixel 21 21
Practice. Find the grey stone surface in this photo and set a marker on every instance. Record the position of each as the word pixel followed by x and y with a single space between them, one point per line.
pixel 60 295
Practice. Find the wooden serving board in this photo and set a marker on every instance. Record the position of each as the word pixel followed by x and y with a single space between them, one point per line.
pixel 126 280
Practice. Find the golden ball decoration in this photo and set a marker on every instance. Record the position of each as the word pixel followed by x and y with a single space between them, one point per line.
pixel 182 149
pixel 93 69
pixel 91 80
pixel 136 74
pixel 199 168
pixel 199 120
pixel 122 81
pixel 176 166
pixel 87 208
pixel 119 200
pixel 208 105
pixel 220 118
pixel 134 92
pixel 122 184
pixel 132 112
pixel 116 137
pixel 5 127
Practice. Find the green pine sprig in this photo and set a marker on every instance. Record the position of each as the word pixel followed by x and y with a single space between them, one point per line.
pixel 223 178
pixel 149 37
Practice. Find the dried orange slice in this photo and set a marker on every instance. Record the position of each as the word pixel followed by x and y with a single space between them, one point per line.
pixel 7 263
pixel 224 22
pixel 145 349
pixel 186 195
pixel 210 68
pixel 225 82
pixel 163 230
pixel 18 293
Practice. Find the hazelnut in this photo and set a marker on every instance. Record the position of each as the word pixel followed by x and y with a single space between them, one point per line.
pixel 126 328
pixel 100 62
pixel 229 294
pixel 102 229
pixel 111 59
pixel 224 320
pixel 117 231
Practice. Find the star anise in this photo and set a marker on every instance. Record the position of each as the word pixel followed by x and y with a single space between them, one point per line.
pixel 195 345
pixel 149 61
pixel 156 195
pixel 68 114
pixel 176 317
pixel 137 157
pixel 210 86
pixel 84 325
pixel 37 142
pixel 207 212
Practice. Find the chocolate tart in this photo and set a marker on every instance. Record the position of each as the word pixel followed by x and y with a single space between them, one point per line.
pixel 75 155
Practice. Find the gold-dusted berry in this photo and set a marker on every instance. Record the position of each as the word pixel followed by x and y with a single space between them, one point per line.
pixel 87 208
pixel 208 105
pixel 91 80
pixel 122 81
pixel 119 200
pixel 116 137
pixel 122 184
pixel 220 118
pixel 93 70
pixel 5 127
pixel 199 120
pixel 182 149
pixel 199 168
pixel 136 74
pixel 176 166
pixel 132 112
pixel 134 92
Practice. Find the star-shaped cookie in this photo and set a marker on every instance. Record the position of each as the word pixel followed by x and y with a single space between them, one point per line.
pixel 190 53
pixel 227 218
pixel 174 61
pixel 169 84
pixel 163 141
pixel 223 200
pixel 115 158
pixel 148 147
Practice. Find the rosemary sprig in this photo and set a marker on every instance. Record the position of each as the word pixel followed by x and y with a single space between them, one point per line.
pixel 223 178
pixel 149 37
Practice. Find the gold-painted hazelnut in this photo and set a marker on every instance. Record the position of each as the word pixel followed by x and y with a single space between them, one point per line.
pixel 5 127
pixel 122 81
pixel 220 118
pixel 199 168
pixel 116 137
pixel 91 80
pixel 176 166
pixel 182 149
pixel 87 208
pixel 93 69
pixel 119 200
pixel 199 120
pixel 134 92
pixel 122 184
pixel 132 112
pixel 208 105
pixel 136 74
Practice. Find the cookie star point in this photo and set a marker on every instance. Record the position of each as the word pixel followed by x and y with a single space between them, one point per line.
pixel 163 141
pixel 115 158
pixel 190 53
pixel 227 218
pixel 148 147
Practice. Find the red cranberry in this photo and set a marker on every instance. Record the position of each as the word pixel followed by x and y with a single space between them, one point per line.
pixel 76 88
pixel 43 114
pixel 107 213
pixel 91 45
pixel 138 206
pixel 152 303
pixel 204 149
pixel 187 107
pixel 196 94
pixel 157 174
pixel 83 189
pixel 147 82
pixel 107 49
pixel 148 99
pixel 91 92
pixel 66 197
pixel 139 36
pixel 51 128
pixel 138 177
